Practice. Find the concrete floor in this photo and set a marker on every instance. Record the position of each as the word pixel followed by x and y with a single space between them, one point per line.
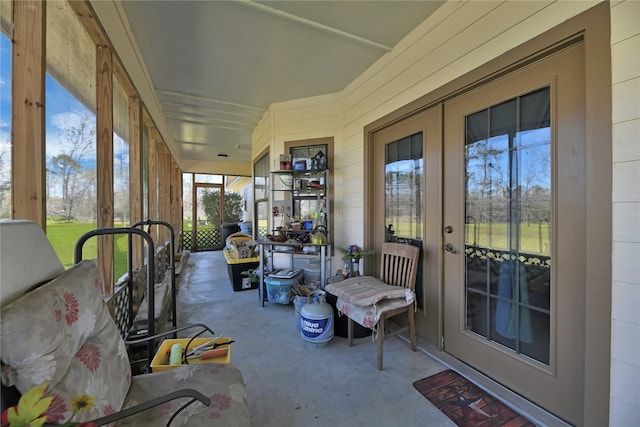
pixel 289 382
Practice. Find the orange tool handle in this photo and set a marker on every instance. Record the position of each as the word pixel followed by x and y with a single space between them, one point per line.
pixel 218 352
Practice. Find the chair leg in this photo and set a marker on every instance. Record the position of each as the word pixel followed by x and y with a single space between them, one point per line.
pixel 380 341
pixel 412 328
pixel 350 331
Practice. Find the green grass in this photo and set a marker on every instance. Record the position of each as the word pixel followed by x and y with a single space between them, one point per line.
pixel 63 238
pixel 534 238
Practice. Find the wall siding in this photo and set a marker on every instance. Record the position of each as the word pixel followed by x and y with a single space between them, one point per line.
pixel 625 327
pixel 458 38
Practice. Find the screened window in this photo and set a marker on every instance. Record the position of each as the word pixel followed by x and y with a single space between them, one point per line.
pixel 5 121
pixel 261 197
pixel 120 155
pixel 70 130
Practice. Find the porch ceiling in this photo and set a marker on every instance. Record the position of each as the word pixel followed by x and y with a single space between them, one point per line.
pixel 216 66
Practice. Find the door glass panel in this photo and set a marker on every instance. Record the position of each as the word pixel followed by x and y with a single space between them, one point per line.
pixel 208 221
pixel 404 195
pixel 508 224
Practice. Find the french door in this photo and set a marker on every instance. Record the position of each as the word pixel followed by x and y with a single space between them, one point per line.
pixel 513 214
pixel 502 194
pixel 407 158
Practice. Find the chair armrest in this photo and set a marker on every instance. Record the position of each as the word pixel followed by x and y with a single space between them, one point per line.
pixel 193 394
pixel 204 327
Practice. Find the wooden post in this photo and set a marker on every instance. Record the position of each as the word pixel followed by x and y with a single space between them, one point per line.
pixel 135 175
pixel 27 119
pixel 153 180
pixel 162 197
pixel 104 127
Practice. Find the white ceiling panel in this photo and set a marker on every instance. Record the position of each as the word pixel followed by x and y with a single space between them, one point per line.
pixel 216 66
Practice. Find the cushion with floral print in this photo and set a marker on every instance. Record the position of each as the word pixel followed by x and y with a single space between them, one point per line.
pixel 368 316
pixel 367 290
pixel 222 383
pixel 63 333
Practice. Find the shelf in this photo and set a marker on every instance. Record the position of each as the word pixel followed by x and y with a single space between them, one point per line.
pixel 267 250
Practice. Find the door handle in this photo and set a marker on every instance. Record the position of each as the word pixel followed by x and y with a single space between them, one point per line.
pixel 449 248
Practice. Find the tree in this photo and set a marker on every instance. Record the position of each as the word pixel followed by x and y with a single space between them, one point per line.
pixel 210 201
pixel 70 166
pixel 5 180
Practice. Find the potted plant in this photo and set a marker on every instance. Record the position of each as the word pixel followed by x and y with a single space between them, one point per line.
pixel 352 255
pixel 251 274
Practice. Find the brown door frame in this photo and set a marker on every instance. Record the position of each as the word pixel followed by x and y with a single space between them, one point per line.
pixel 593 26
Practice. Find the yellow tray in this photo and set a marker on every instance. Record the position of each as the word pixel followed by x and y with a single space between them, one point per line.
pixel 231 259
pixel 160 361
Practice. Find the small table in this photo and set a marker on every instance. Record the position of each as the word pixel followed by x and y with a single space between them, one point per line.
pixel 340 321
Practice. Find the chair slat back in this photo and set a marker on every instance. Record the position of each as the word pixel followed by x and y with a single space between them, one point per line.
pixel 399 264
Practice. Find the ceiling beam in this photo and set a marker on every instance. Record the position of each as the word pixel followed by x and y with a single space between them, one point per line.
pixel 292 17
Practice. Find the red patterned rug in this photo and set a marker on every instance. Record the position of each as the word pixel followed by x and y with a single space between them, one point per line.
pixel 467 404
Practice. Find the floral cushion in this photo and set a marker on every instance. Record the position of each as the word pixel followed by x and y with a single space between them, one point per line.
pixel 222 383
pixel 368 316
pixel 367 290
pixel 62 333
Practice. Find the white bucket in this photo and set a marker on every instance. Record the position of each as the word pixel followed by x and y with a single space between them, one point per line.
pixel 316 320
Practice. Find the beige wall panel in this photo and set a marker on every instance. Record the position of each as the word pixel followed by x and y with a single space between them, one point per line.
pixel 625 335
pixel 626 223
pixel 626 182
pixel 307 117
pixel 622 348
pixel 625 59
pixel 626 300
pixel 476 33
pixel 308 108
pixel 289 130
pixel 626 145
pixel 624 380
pixel 626 105
pixel 625 15
pixel 263 128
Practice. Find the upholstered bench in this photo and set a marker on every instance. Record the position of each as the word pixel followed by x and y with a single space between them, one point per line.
pixel 61 333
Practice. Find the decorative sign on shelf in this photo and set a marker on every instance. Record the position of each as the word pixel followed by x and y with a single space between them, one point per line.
pixel 285 162
pixel 319 161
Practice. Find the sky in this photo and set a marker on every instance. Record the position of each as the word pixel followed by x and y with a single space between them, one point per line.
pixel 62 112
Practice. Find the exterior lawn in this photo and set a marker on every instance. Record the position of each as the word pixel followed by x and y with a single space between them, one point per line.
pixel 63 238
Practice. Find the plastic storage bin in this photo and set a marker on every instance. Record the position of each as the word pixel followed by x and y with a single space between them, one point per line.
pixel 279 290
pixel 312 272
pixel 235 267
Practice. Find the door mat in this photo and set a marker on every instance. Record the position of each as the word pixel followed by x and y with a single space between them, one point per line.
pixel 467 404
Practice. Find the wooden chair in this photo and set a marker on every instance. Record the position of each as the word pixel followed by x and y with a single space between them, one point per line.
pixel 371 301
